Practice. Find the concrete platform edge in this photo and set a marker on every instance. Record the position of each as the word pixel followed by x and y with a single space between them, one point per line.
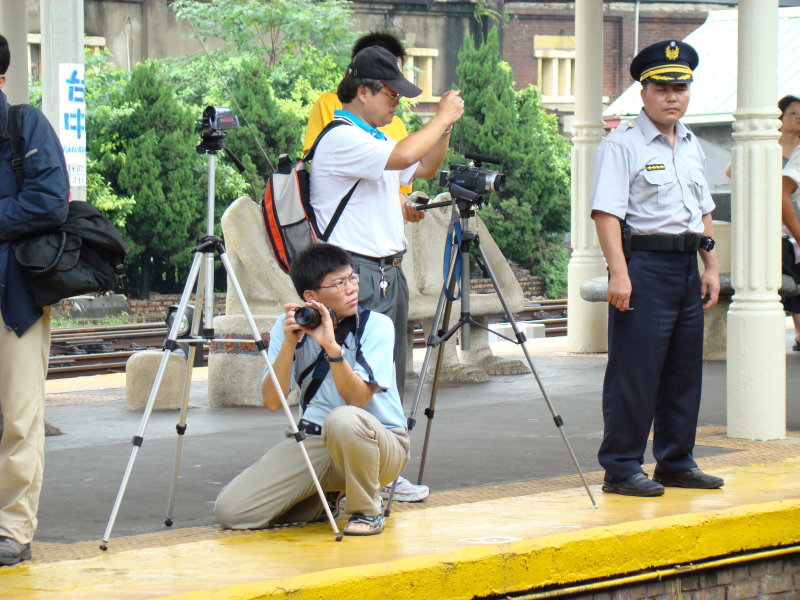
pixel 559 560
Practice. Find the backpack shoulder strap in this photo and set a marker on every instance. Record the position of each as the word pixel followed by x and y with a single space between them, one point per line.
pixel 324 235
pixel 15 140
pixel 331 125
pixel 338 213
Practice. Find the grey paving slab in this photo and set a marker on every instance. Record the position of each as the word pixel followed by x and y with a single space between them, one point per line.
pixel 482 434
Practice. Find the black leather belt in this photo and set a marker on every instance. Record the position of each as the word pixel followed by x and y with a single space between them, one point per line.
pixel 309 428
pixel 659 242
pixel 393 260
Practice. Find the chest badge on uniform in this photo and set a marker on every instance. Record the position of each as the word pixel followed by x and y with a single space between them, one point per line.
pixel 654 167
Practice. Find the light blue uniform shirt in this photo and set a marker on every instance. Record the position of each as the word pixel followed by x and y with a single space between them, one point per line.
pixel 639 176
pixel 373 362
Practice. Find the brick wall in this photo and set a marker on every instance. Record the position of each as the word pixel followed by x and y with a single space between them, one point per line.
pixel 532 286
pixel 141 311
pixel 155 308
pixel 773 579
pixel 541 18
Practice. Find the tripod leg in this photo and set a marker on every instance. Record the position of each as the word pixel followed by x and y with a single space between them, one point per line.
pixel 521 341
pixel 444 306
pixel 262 347
pixel 138 439
pixel 187 385
pixel 429 412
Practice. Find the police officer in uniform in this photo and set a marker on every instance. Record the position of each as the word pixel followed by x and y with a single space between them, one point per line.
pixel 652 210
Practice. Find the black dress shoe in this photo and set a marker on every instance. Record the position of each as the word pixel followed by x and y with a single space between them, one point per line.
pixel 693 478
pixel 635 485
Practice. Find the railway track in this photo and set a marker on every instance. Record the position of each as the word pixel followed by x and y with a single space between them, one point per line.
pixel 78 351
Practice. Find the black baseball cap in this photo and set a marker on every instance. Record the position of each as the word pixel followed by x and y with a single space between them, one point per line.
pixel 378 63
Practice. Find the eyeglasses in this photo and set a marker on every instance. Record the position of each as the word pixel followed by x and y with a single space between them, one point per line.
pixel 342 284
pixel 393 96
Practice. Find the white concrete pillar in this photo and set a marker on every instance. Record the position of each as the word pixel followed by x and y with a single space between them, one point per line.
pixel 756 321
pixel 62 42
pixel 586 321
pixel 13 27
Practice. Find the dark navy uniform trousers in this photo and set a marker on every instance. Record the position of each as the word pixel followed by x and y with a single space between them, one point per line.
pixel 654 372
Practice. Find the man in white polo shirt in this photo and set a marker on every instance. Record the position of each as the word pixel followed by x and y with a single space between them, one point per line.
pixel 371 225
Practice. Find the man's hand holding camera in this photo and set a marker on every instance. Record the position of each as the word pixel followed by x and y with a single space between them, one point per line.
pixel 282 365
pixel 354 390
pixel 320 329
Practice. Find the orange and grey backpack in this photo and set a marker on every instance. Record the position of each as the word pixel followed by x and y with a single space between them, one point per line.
pixel 289 218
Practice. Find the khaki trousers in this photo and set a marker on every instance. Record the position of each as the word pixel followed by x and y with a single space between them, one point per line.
pixel 23 369
pixel 355 455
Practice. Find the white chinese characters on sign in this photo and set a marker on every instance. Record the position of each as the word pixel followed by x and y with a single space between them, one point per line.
pixel 72 124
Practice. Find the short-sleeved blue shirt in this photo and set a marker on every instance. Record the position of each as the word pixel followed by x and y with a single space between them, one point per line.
pixel 372 361
pixel 639 176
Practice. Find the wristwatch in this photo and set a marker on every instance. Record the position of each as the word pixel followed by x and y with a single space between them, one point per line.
pixel 707 243
pixel 449 129
pixel 333 359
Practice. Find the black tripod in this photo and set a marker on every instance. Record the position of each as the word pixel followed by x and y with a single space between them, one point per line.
pixel 202 273
pixel 464 205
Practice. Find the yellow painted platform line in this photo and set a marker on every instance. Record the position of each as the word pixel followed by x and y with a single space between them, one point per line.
pixel 459 551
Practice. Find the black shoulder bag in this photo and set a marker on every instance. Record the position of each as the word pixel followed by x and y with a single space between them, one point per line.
pixel 86 254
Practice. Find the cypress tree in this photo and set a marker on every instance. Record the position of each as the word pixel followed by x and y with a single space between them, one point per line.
pixel 529 220
pixel 161 172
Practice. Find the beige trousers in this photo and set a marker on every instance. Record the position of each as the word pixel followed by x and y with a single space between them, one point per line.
pixel 355 455
pixel 23 369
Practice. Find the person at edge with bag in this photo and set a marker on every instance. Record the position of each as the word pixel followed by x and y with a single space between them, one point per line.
pixel 790 177
pixel 789 141
pixel 40 203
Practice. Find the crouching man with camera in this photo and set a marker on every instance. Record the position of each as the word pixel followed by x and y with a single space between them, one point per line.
pixel 341 357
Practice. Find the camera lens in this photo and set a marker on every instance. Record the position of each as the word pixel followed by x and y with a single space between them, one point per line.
pixel 498 182
pixel 307 317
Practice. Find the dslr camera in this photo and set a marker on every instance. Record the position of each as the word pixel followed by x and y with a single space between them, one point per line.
pixel 310 318
pixel 471 183
pixel 216 120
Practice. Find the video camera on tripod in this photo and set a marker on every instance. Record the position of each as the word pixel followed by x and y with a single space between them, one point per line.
pixel 213 126
pixel 471 183
pixel 216 120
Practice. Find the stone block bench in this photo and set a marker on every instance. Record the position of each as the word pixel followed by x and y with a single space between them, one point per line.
pixel 715 327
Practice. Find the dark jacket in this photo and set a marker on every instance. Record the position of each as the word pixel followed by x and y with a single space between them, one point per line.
pixel 40 204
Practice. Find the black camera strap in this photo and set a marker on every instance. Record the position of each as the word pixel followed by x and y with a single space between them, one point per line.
pixel 320 367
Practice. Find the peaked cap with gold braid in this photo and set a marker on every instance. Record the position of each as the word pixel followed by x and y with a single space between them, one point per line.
pixel 665 62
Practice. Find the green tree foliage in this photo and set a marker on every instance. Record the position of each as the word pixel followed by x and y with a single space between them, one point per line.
pixel 531 218
pixel 293 37
pixel 142 147
pixel 278 58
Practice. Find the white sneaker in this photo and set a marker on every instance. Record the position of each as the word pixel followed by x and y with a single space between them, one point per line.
pixel 406 491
